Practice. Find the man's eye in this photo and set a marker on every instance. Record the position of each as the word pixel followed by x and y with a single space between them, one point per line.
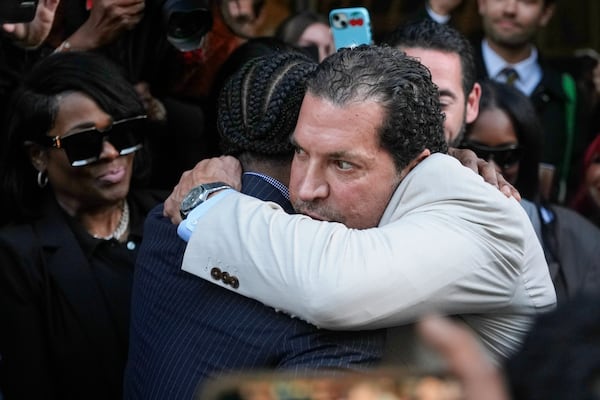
pixel 343 165
pixel 298 150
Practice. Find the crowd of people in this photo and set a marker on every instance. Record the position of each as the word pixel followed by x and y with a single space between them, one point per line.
pixel 184 200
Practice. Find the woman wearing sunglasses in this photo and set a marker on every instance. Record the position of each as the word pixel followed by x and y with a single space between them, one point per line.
pixel 71 229
pixel 508 133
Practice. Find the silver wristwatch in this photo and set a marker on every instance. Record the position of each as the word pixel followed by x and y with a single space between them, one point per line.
pixel 198 195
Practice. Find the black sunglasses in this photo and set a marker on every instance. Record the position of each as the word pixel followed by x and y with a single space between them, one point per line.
pixel 504 156
pixel 85 146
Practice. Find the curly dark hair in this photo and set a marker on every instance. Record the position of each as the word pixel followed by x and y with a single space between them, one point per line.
pixel 430 35
pixel 413 119
pixel 259 105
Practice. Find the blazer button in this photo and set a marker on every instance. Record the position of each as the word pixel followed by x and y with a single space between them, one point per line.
pixel 216 273
pixel 225 277
pixel 234 282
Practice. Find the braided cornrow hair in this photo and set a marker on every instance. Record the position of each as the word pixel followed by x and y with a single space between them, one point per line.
pixel 260 103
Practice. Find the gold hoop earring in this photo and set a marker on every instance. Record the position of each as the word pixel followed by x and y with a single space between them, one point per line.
pixel 42 179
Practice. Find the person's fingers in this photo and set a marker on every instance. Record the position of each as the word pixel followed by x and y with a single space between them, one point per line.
pixel 506 188
pixel 129 3
pixel 453 342
pixel 467 158
pixel 173 203
pixel 465 357
pixel 8 28
pixel 510 191
pixel 132 17
pixel 219 169
pixel 488 172
pixel 130 10
pixel 51 5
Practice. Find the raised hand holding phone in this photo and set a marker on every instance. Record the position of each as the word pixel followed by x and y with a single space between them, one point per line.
pixel 107 20
pixel 27 22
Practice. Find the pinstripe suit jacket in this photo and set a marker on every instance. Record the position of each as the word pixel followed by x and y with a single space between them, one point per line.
pixel 184 329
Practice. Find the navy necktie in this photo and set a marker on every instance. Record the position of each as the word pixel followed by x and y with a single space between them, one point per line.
pixel 511 76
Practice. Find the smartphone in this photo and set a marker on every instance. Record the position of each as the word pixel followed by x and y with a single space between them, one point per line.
pixel 15 11
pixel 350 27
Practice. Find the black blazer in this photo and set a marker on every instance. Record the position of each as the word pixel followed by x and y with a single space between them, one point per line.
pixel 57 336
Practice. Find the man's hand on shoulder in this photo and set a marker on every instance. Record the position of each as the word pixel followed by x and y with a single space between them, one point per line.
pixel 487 171
pixel 225 169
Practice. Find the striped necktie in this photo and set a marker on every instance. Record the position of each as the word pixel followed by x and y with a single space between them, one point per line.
pixel 511 76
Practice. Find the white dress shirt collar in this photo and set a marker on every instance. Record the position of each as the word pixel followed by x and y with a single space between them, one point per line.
pixel 529 70
pixel 440 19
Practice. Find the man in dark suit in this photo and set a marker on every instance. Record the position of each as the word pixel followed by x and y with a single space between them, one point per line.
pixel 184 329
pixel 507 54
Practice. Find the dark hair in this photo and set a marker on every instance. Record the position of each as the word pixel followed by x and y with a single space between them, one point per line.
pixel 259 105
pixel 290 30
pixel 431 35
pixel 400 84
pixel 527 127
pixel 33 110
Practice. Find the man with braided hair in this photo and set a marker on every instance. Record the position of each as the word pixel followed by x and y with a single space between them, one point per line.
pixel 183 329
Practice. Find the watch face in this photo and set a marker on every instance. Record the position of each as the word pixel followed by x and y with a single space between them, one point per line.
pixel 198 195
pixel 192 198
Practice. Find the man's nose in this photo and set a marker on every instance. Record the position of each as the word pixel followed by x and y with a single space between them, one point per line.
pixel 510 7
pixel 313 185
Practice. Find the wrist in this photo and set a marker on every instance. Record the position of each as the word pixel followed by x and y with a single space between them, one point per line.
pixel 81 40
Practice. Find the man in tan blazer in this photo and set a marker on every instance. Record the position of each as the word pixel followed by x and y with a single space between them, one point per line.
pixel 370 152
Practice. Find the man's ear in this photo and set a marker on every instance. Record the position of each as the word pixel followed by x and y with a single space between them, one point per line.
pixel 472 109
pixel 547 14
pixel 481 6
pixel 415 161
pixel 38 156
